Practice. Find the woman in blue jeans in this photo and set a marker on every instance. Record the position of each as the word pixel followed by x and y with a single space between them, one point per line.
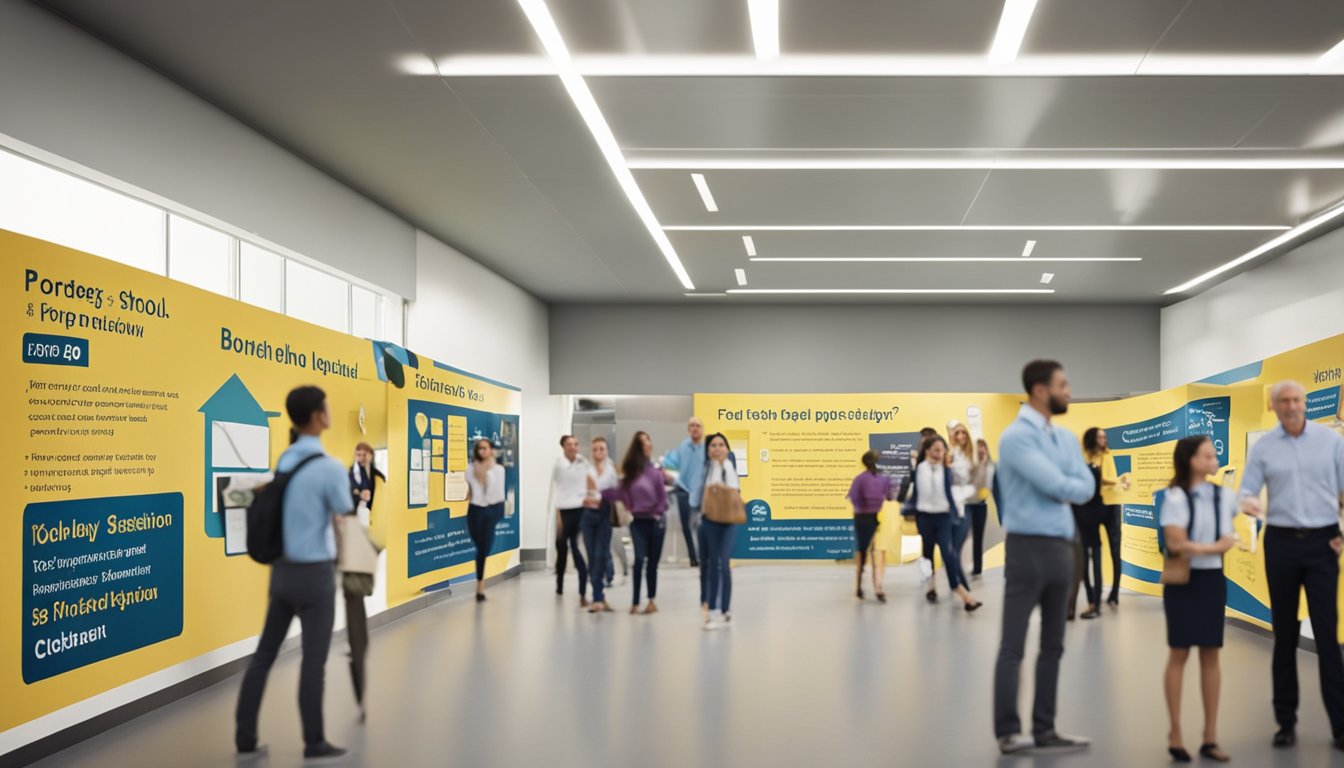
pixel 596 522
pixel 641 490
pixel 716 539
pixel 935 509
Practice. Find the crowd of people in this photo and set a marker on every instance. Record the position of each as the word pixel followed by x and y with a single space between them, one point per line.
pixel 1054 497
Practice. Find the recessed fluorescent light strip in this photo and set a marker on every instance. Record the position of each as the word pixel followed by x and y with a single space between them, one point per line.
pixel 765 28
pixel 854 291
pixel 674 163
pixel 749 244
pixel 741 276
pixel 1028 248
pixel 705 195
pixel 540 17
pixel 1282 239
pixel 935 259
pixel 1046 277
pixel 1012 27
pixel 975 228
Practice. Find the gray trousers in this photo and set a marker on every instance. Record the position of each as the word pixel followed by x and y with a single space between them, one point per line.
pixel 1038 571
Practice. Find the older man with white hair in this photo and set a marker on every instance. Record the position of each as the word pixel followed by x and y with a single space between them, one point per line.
pixel 1302 463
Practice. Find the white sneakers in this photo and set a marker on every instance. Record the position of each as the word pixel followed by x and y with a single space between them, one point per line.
pixel 716 621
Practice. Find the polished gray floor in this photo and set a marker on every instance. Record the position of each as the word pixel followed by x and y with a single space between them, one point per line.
pixel 808 677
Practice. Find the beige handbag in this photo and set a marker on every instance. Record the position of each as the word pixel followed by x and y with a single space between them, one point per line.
pixel 723 505
pixel 357 552
pixel 620 514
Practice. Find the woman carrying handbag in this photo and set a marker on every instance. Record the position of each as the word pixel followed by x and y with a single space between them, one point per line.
pixel 357 560
pixel 1197 528
pixel 722 511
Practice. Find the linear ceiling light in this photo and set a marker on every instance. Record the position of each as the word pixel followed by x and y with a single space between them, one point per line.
pixel 1046 277
pixel 1038 163
pixel 749 244
pixel 935 259
pixel 1332 62
pixel 818 291
pixel 703 294
pixel 741 276
pixel 705 194
pixel 1283 239
pixel 975 228
pixel 765 28
pixel 544 26
pixel 1134 64
pixel 1012 27
pixel 1028 248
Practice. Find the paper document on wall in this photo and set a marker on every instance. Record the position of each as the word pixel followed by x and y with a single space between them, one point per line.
pixel 418 487
pixel 239 446
pixel 235 531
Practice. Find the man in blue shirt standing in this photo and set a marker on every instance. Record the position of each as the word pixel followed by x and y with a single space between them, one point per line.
pixel 1041 472
pixel 1302 462
pixel 303 582
pixel 688 459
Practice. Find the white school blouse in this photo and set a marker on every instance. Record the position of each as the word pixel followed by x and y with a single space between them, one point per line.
pixel 493 490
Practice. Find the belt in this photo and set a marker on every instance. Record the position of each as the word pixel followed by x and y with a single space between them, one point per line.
pixel 1301 532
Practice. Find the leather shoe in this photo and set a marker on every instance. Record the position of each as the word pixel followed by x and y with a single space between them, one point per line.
pixel 1286 737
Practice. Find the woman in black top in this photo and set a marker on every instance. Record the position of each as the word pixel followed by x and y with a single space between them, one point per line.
pixel 1090 518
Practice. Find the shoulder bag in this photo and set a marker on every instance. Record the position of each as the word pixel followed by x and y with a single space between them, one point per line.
pixel 1176 567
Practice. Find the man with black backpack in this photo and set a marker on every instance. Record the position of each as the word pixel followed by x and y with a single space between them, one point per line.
pixel 312 489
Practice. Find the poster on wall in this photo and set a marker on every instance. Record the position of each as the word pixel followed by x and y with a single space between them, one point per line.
pixel 435 418
pixel 804 450
pixel 140 414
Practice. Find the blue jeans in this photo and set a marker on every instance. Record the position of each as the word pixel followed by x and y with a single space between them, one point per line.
pixel 961 530
pixel 688 515
pixel 481 523
pixel 648 534
pixel 937 528
pixel 716 577
pixel 596 528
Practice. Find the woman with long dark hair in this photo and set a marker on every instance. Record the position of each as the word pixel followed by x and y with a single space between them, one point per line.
pixel 868 492
pixel 642 492
pixel 1097 451
pixel 717 538
pixel 935 508
pixel 485 505
pixel 1089 519
pixel 1196 522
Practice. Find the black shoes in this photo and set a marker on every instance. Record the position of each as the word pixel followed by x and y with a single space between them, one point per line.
pixel 1339 742
pixel 324 750
pixel 1212 752
pixel 881 597
pixel 1091 613
pixel 1286 737
pixel 1178 754
pixel 480 597
pixel 858 593
pixel 931 596
pixel 971 607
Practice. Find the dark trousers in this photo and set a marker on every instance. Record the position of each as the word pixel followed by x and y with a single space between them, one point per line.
pixel 1294 561
pixel 481 524
pixel 1113 521
pixel 979 514
pixel 357 633
pixel 596 526
pixel 1037 572
pixel 716 573
pixel 306 590
pixel 566 541
pixel 647 533
pixel 938 528
pixel 1077 580
pixel 688 515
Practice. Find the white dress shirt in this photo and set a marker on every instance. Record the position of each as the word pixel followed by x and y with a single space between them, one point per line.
pixel 492 492
pixel 569 482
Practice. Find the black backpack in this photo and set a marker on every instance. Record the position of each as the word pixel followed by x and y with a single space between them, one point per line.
pixel 266 514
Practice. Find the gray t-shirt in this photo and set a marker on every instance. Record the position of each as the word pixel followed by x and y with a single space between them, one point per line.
pixel 1176 512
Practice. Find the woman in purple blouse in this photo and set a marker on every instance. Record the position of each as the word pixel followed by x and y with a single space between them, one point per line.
pixel 642 492
pixel 869 491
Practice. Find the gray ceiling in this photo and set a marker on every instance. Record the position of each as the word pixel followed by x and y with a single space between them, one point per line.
pixel 504 168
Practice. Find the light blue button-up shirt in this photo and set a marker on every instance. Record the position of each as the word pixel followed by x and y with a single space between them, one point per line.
pixel 1041 472
pixel 689 459
pixel 321 489
pixel 1305 475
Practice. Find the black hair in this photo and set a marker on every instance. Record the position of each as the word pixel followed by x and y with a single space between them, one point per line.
pixel 1090 440
pixel 726 444
pixel 924 447
pixel 1186 448
pixel 303 403
pixel 476 447
pixel 927 432
pixel 635 461
pixel 563 438
pixel 1039 372
pixel 870 461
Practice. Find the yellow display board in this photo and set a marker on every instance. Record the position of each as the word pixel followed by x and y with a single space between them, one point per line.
pixel 138 409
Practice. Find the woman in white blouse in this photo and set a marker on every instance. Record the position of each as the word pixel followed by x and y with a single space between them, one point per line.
pixel 716 551
pixel 936 511
pixel 597 521
pixel 485 505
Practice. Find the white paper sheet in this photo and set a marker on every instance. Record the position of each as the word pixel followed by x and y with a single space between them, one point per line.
pixel 239 446
pixel 235 531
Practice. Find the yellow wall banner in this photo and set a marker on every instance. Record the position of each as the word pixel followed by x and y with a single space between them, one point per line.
pixel 434 418
pixel 797 455
pixel 142 414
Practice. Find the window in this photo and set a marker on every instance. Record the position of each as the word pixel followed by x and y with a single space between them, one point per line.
pixel 363 313
pixel 261 277
pixel 45 203
pixel 393 327
pixel 317 297
pixel 199 255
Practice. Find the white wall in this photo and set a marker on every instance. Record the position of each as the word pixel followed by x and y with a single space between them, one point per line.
pixel 1289 302
pixel 469 317
pixel 73 95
